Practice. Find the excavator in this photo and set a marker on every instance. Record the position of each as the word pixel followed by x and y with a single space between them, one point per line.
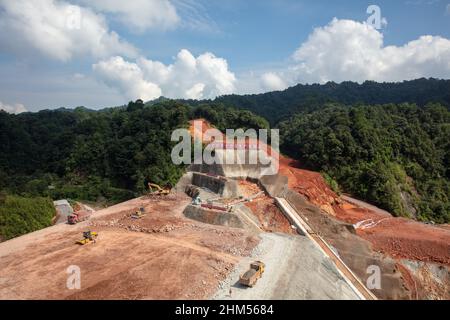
pixel 157 190
pixel 88 237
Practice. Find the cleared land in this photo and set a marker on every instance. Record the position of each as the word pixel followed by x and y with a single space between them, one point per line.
pixel 161 256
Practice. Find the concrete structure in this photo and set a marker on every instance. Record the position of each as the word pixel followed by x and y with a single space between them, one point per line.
pixel 63 209
pixel 213 216
pixel 306 252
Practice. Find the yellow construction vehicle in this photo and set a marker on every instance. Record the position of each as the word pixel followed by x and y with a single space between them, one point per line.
pixel 138 214
pixel 157 190
pixel 88 237
pixel 255 272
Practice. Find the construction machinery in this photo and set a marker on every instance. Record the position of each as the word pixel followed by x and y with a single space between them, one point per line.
pixel 79 216
pixel 157 190
pixel 255 272
pixel 192 191
pixel 138 214
pixel 88 237
pixel 197 201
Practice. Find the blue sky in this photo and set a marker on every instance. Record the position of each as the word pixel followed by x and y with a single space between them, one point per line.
pixel 259 33
pixel 163 46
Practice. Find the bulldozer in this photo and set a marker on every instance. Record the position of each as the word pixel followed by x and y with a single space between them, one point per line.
pixel 138 214
pixel 88 237
pixel 251 276
pixel 157 190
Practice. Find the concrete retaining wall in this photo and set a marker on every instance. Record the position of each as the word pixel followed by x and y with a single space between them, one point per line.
pixel 241 169
pixel 212 217
pixel 225 187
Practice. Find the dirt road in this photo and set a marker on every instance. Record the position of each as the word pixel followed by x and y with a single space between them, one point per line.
pixel 295 269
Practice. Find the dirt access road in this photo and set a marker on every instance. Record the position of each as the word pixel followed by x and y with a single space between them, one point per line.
pixel 295 269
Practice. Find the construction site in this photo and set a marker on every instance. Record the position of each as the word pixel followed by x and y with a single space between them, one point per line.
pixel 228 231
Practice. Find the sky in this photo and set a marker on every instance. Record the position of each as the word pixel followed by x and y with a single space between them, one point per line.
pixel 100 53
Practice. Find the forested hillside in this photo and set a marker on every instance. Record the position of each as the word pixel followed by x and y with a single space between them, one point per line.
pixel 395 156
pixel 280 105
pixel 19 215
pixel 109 153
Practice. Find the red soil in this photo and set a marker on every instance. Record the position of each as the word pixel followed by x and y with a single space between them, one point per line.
pixel 308 183
pixel 397 237
pixel 270 217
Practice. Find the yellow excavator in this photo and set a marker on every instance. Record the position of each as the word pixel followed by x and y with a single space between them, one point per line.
pixel 157 190
pixel 88 237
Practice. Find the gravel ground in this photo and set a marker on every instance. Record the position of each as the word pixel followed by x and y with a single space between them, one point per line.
pixel 295 269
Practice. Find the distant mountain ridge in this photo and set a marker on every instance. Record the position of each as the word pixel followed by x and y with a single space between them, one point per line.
pixel 280 105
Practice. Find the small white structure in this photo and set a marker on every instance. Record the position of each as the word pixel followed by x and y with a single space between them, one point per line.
pixel 63 209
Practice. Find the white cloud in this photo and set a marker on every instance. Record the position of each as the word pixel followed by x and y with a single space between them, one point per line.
pixel 350 50
pixel 448 9
pixel 139 15
pixel 205 76
pixel 127 77
pixel 272 82
pixel 58 30
pixel 194 15
pixel 16 108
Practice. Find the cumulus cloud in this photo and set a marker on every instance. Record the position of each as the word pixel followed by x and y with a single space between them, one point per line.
pixel 139 15
pixel 270 81
pixel 16 108
pixel 350 50
pixel 58 30
pixel 205 76
pixel 127 77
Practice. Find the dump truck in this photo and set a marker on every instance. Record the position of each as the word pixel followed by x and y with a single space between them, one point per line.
pixel 78 216
pixel 88 237
pixel 255 272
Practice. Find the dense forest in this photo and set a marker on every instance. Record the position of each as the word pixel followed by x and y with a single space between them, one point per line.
pixel 386 143
pixel 395 156
pixel 280 105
